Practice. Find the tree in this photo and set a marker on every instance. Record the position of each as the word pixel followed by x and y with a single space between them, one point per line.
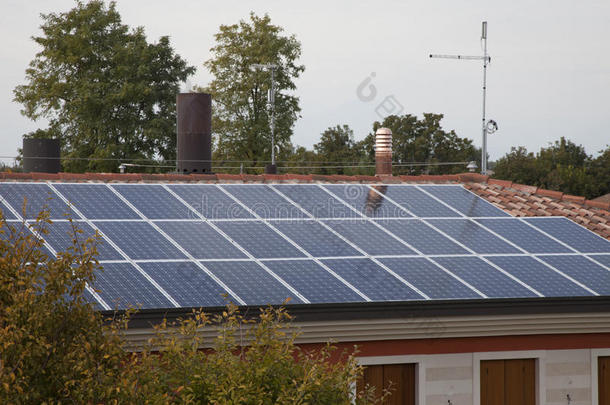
pixel 423 141
pixel 241 115
pixel 336 148
pixel 56 348
pixel 518 165
pixel 106 92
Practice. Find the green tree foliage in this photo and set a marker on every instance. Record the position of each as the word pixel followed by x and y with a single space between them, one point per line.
pixel 562 166
pixel 423 141
pixel 336 148
pixel 56 348
pixel 241 112
pixel 106 91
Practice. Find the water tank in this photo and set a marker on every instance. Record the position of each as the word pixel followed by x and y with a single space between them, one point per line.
pixel 194 127
pixel 41 155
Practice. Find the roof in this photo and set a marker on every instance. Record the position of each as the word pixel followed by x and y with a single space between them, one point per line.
pixel 516 199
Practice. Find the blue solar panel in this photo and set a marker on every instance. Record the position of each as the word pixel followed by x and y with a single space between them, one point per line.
pixel 484 277
pixel 422 237
pixel 464 201
pixel 187 284
pixel 154 201
pixel 259 239
pixel 538 276
pixel 39 197
pixel 201 240
pixel 603 259
pixel 139 240
pixel 523 235
pixel 265 202
pixel 209 201
pixel 368 237
pixel 418 202
pixel 315 239
pixel 367 201
pixel 122 286
pixel 573 234
pixel 429 278
pixel 62 233
pixel 5 212
pixel 252 283
pixel 372 280
pixel 473 236
pixel 583 270
pixel 316 201
pixel 313 281
pixel 11 231
pixel 91 299
pixel 96 201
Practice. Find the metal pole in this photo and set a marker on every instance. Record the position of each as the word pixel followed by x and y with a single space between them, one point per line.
pixel 484 129
pixel 272 101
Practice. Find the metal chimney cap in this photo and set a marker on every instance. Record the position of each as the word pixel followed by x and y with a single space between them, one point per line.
pixel 384 131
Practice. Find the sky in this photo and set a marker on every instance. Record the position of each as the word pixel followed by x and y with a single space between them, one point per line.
pixel 549 74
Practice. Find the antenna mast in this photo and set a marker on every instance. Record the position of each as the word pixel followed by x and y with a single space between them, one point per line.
pixel 484 125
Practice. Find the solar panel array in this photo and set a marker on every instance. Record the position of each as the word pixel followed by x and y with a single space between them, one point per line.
pixel 198 245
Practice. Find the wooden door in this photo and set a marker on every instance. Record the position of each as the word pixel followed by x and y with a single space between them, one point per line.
pixel 401 378
pixel 508 382
pixel 603 380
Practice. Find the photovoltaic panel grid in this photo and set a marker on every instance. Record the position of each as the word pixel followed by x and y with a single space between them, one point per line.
pixel 201 245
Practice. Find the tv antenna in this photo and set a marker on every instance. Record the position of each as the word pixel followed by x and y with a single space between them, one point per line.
pixel 486 127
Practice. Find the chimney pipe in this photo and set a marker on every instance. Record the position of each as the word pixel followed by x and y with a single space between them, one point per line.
pixel 194 127
pixel 41 155
pixel 383 152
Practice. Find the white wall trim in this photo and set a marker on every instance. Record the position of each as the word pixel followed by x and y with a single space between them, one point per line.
pixel 595 353
pixel 539 355
pixel 420 370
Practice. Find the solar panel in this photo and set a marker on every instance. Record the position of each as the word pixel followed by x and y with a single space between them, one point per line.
pixel 583 270
pixel 539 276
pixel 313 281
pixel 11 231
pixel 484 277
pixel 369 201
pixel 259 239
pixel 472 236
pixel 265 202
pixel 315 239
pixel 122 286
pixel 5 213
pixel 372 280
pixel 96 201
pixel 139 240
pixel 62 233
pixel 370 238
pixel 571 233
pixel 37 197
pixel 252 283
pixel 201 240
pixel 417 202
pixel 429 278
pixel 524 236
pixel 209 201
pixel 316 201
pixel 187 284
pixel 422 237
pixel 603 259
pixel 464 201
pixel 154 201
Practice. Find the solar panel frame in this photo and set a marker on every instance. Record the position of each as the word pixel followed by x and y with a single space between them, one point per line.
pixel 579 238
pixel 61 234
pixel 147 198
pixel 39 196
pixel 210 201
pixel 580 268
pixel 602 259
pixel 422 237
pixel 263 200
pixel 418 203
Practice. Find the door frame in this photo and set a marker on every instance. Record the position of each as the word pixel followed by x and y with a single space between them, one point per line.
pixel 538 355
pixel 420 370
pixel 595 353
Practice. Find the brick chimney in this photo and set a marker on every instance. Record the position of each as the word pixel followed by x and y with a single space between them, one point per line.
pixel 383 152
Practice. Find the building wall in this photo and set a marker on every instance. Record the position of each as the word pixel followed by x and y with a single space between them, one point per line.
pixel 455 377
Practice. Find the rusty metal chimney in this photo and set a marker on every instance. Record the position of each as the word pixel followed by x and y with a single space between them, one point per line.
pixel 383 152
pixel 194 127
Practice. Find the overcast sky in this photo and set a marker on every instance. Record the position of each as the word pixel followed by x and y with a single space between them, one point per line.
pixel 549 76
